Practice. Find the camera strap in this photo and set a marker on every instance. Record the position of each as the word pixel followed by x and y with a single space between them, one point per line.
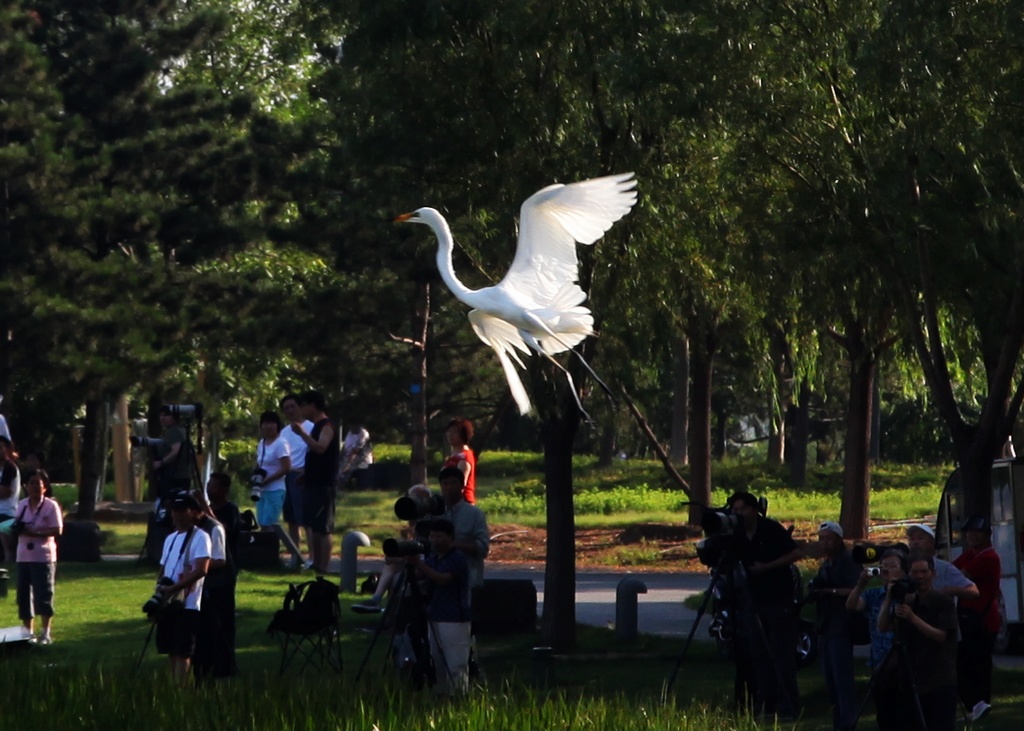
pixel 181 551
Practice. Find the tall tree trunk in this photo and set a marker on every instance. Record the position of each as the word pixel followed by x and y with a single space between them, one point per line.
pixel 418 426
pixel 876 419
pixel 779 396
pixel 606 447
pixel 702 358
pixel 679 443
pixel 94 457
pixel 797 452
pixel 857 469
pixel 558 622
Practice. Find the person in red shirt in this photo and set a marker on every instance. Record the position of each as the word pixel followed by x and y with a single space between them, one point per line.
pixel 979 618
pixel 459 432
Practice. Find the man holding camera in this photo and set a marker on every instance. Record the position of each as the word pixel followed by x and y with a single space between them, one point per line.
pixel 172 468
pixel 924 622
pixel 766 611
pixel 183 566
pixel 830 587
pixel 448 613
pixel 472 537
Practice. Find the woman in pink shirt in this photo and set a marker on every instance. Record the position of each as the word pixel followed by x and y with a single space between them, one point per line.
pixel 40 523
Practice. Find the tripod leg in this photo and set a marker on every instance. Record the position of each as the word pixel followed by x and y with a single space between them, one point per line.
pixel 145 645
pixel 716 576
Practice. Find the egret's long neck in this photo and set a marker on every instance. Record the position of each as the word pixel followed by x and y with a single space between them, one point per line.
pixel 445 246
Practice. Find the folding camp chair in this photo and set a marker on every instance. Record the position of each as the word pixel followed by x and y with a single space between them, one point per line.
pixel 309 625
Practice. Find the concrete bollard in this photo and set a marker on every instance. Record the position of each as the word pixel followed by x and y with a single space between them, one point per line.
pixel 543 674
pixel 349 550
pixel 626 607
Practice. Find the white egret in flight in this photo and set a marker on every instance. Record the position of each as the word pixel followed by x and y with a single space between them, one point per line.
pixel 539 304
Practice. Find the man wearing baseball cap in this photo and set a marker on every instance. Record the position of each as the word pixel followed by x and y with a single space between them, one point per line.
pixel 835 580
pixel 948 578
pixel 183 566
pixel 979 618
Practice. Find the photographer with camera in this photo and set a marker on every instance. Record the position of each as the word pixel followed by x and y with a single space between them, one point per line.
pixel 38 523
pixel 176 603
pixel 830 588
pixel 471 534
pixel 766 611
pixel 448 614
pixel 894 565
pixel 420 495
pixel 10 491
pixel 173 471
pixel 273 461
pixel 924 622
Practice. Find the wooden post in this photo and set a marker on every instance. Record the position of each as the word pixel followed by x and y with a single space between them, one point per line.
pixel 124 484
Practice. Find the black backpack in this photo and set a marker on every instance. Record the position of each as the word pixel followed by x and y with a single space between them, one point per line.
pixel 308 608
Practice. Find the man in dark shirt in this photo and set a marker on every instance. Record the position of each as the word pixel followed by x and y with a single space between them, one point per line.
pixel 766 613
pixel 447 571
pixel 319 477
pixel 925 623
pixel 172 466
pixel 836 577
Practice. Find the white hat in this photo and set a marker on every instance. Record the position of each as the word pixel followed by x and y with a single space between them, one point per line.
pixel 922 527
pixel 832 526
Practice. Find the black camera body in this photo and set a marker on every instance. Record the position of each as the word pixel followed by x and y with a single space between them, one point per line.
pixel 394 548
pixel 899 590
pixel 17 527
pixel 155 603
pixel 146 442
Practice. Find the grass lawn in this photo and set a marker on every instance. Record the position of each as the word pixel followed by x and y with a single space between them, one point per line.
pixel 88 678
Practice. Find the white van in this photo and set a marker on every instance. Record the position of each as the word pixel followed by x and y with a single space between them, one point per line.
pixel 1007 503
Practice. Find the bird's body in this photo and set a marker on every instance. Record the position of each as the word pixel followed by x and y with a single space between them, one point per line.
pixel 538 305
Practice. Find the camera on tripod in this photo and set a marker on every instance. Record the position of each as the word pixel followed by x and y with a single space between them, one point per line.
pixel 899 590
pixel 420 505
pixel 146 442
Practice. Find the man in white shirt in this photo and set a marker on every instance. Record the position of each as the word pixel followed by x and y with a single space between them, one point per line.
pixel 291 407
pixel 183 566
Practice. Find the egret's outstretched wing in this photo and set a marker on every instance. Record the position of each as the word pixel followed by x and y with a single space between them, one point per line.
pixel 552 220
pixel 504 338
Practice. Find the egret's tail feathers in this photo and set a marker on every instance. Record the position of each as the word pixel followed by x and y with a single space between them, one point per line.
pixel 505 340
pixel 515 384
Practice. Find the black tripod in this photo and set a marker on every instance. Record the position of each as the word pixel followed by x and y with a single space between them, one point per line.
pixel 729 577
pixel 407 611
pixel 907 672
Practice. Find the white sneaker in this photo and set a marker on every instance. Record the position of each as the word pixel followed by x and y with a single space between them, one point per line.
pixel 979 710
pixel 26 633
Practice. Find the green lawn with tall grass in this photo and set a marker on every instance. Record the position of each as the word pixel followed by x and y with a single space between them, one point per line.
pixel 88 677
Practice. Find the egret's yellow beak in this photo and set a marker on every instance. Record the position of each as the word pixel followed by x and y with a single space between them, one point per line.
pixel 404 217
